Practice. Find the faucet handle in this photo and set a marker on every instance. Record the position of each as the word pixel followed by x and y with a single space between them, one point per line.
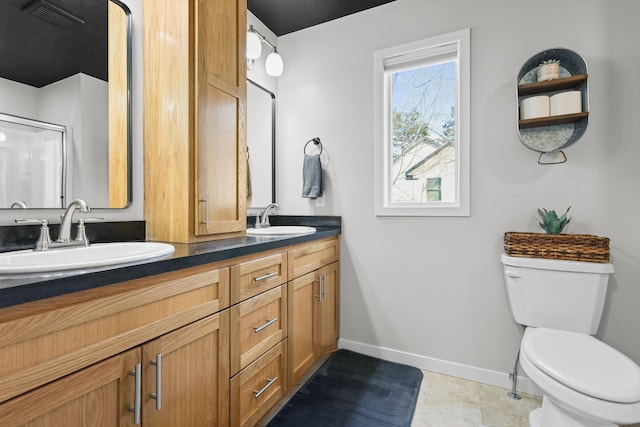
pixel 44 240
pixel 81 234
pixel 92 219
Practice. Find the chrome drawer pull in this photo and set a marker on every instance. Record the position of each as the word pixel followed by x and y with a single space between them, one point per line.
pixel 137 373
pixel 158 394
pixel 257 393
pixel 266 276
pixel 257 329
pixel 206 210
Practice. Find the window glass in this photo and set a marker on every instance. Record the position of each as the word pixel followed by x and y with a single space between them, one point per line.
pixel 422 127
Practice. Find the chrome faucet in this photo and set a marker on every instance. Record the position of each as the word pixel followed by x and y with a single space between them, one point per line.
pixel 18 204
pixel 264 219
pixel 44 242
pixel 64 235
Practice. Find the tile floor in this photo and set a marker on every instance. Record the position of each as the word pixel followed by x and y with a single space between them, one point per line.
pixel 454 402
pixel 446 401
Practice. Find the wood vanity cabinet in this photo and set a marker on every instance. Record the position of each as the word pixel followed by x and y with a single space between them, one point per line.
pixel 313 305
pixel 194 119
pixel 192 389
pixel 213 345
pixel 71 353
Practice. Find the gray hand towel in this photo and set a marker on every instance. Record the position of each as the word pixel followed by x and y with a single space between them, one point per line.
pixel 311 176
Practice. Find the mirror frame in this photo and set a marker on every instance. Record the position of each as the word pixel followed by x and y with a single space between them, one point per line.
pixel 128 115
pixel 273 141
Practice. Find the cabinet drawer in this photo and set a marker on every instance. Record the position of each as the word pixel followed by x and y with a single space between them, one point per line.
pixel 47 339
pixel 257 325
pixel 258 387
pixel 253 277
pixel 309 257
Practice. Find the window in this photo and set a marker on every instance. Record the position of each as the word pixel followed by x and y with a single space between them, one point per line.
pixel 422 127
pixel 434 189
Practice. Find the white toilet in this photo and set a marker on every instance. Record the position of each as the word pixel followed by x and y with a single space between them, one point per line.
pixel 585 382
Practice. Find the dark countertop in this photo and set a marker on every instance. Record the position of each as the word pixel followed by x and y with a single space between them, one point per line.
pixel 21 290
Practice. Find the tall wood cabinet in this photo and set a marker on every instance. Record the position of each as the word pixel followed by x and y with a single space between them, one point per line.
pixel 194 119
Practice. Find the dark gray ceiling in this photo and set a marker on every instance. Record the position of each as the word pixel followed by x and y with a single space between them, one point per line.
pixel 36 50
pixel 286 16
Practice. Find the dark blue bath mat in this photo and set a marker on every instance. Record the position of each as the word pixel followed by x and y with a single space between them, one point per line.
pixel 354 390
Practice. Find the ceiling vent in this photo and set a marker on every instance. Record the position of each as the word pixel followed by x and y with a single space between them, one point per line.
pixel 53 14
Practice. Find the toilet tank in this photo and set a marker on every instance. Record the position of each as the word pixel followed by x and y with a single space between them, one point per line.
pixel 556 294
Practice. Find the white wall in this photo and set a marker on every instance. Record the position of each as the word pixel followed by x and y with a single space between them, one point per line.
pixel 18 99
pixel 433 287
pixel 86 112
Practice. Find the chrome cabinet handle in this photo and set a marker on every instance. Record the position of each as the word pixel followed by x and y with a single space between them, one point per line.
pixel 268 323
pixel 266 276
pixel 137 373
pixel 158 394
pixel 319 294
pixel 206 210
pixel 323 287
pixel 257 393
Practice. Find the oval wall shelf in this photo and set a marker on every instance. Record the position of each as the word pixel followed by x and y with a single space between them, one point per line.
pixel 549 132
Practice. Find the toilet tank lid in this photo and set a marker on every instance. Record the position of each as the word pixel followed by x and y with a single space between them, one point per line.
pixel 557 264
pixel 583 363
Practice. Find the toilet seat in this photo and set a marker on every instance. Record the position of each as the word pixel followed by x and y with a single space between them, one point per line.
pixel 584 364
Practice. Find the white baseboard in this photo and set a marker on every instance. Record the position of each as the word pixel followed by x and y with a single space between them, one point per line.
pixel 472 373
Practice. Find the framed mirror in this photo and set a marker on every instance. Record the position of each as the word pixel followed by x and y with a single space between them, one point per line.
pixel 261 146
pixel 66 65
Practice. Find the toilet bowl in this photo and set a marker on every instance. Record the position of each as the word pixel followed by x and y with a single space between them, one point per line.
pixel 586 383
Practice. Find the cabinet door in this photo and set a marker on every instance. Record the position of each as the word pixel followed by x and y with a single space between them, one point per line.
pixel 328 309
pixel 186 375
pixel 303 298
pixel 220 117
pixel 99 395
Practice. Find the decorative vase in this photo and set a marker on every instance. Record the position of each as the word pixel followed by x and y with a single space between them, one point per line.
pixel 548 72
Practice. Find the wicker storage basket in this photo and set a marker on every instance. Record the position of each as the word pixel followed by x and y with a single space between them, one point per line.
pixel 574 247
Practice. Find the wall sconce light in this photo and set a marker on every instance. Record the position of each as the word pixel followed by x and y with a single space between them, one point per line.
pixel 273 64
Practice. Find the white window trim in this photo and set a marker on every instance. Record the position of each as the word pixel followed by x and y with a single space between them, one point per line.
pixel 427 48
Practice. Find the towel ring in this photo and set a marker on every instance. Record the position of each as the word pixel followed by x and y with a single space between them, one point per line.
pixel 316 141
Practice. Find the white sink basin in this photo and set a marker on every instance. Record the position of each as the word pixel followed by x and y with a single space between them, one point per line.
pixel 81 258
pixel 280 230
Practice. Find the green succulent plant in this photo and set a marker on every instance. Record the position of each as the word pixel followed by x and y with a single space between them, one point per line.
pixel 550 61
pixel 550 222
